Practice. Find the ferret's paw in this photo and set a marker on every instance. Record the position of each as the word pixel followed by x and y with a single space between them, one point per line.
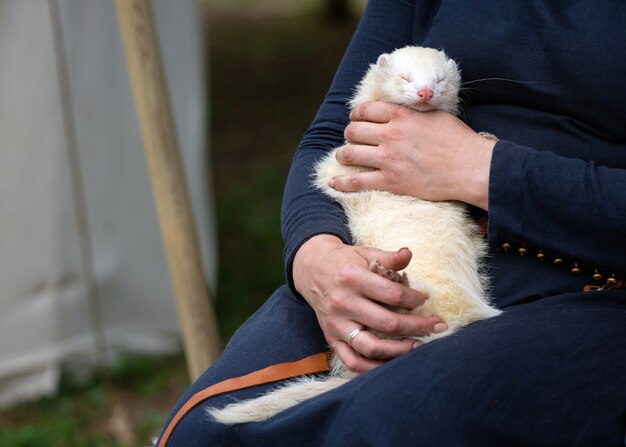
pixel 327 168
pixel 388 273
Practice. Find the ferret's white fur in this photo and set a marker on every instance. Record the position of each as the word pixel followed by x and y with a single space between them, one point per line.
pixel 447 246
pixel 261 408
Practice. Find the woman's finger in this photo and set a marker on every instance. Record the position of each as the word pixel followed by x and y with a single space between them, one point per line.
pixel 364 285
pixel 375 112
pixel 354 361
pixel 372 315
pixel 374 348
pixel 394 260
pixel 364 132
pixel 390 293
pixel 362 181
pixel 358 155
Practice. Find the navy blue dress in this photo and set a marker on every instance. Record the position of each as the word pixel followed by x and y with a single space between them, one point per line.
pixel 551 370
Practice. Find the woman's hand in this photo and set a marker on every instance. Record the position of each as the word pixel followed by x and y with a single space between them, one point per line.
pixel 432 155
pixel 336 281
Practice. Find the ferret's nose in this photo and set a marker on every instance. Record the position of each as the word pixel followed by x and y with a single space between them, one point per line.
pixel 425 94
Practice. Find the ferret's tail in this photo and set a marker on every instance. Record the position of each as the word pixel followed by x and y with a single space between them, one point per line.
pixel 272 403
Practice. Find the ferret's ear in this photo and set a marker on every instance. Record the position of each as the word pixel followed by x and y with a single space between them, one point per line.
pixel 452 64
pixel 383 60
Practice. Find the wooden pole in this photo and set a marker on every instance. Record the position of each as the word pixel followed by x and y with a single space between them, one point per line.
pixel 199 327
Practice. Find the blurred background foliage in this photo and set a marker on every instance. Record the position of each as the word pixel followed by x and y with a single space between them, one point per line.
pixel 269 64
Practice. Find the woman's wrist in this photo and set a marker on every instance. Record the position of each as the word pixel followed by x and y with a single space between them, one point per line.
pixel 308 252
pixel 474 176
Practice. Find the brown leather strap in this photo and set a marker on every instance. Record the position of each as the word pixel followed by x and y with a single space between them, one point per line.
pixel 313 364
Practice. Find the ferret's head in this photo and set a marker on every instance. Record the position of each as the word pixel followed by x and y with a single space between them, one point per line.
pixel 421 78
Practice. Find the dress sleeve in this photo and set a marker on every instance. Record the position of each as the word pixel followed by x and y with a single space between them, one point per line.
pixel 306 212
pixel 571 210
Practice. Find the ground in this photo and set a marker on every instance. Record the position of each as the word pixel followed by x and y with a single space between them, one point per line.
pixel 268 74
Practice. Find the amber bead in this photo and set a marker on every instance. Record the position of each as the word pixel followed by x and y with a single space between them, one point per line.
pixel 506 246
pixel 558 261
pixel 541 256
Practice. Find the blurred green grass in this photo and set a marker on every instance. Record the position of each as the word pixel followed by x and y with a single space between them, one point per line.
pixel 267 76
pixel 124 407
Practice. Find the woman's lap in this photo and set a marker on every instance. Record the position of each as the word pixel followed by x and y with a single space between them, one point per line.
pixel 550 372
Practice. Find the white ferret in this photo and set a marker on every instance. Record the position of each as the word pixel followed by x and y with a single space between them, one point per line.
pixel 447 245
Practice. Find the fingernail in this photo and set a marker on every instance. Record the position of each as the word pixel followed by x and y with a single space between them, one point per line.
pixel 440 327
pixel 331 183
pixel 417 344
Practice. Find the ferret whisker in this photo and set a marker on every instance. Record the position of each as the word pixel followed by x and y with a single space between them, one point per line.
pixel 468 91
pixel 497 79
pixel 471 95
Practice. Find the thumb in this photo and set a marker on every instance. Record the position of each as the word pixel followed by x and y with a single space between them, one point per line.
pixel 394 260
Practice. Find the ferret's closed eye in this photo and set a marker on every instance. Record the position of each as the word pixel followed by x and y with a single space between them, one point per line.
pixel 405 77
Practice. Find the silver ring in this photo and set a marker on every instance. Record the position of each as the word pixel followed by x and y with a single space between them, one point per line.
pixel 353 334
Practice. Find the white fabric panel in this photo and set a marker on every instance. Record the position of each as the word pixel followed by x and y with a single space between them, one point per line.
pixel 46 318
